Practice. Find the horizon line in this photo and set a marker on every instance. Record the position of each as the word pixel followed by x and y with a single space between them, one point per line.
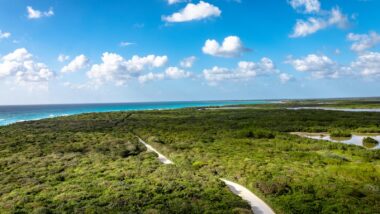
pixel 184 101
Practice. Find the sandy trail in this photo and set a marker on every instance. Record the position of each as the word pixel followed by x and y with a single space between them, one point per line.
pixel 258 206
pixel 161 157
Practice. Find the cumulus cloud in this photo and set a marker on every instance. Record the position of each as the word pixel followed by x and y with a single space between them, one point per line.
pixel 320 66
pixel 367 64
pixel 36 14
pixel 306 6
pixel 170 73
pixel 284 77
pixel 362 42
pixel 114 68
pixel 20 65
pixel 310 26
pixel 62 58
pixel 188 62
pixel 151 77
pixel 176 73
pixel 76 64
pixel 137 63
pixel 231 47
pixel 244 71
pixel 192 12
pixel 4 35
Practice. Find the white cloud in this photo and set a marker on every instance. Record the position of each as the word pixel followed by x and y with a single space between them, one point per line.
pixel 63 58
pixel 170 73
pixel 337 18
pixel 137 63
pixel 284 77
pixel 4 35
pixel 125 44
pixel 176 73
pixel 76 86
pixel 188 62
pixel 20 65
pixel 19 55
pixel 175 1
pixel 313 24
pixel 244 71
pixel 231 47
pixel 193 12
pixel 362 42
pixel 307 6
pixel 114 68
pixel 320 66
pixel 304 28
pixel 151 77
pixel 367 64
pixel 76 64
pixel 36 14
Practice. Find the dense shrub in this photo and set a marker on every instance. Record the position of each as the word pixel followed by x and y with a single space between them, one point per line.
pixel 256 134
pixel 92 163
pixel 340 133
pixel 370 142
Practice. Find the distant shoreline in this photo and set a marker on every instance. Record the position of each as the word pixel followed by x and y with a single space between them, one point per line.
pixel 14 114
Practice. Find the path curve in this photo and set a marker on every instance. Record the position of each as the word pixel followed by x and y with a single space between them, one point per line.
pixel 161 157
pixel 258 206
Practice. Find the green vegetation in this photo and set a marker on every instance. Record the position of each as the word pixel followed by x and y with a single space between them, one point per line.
pixel 364 103
pixel 56 170
pixel 92 163
pixel 340 133
pixel 369 142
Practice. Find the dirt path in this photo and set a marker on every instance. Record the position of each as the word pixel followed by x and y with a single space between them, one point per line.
pixel 161 157
pixel 258 206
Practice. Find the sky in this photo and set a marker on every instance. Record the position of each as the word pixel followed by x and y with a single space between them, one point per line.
pixel 96 51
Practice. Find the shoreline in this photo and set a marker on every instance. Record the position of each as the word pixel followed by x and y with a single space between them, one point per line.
pixel 336 109
pixel 68 110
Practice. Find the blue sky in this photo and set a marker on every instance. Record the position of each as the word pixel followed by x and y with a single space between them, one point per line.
pixel 157 50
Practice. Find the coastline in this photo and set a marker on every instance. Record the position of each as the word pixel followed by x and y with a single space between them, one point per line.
pixel 15 114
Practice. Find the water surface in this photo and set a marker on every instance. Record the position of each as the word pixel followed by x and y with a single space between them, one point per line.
pixel 354 140
pixel 13 114
pixel 338 109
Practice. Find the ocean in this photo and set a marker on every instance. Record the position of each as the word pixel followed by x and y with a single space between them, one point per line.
pixel 19 113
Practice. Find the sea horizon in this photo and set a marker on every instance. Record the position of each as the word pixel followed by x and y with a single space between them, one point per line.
pixel 10 114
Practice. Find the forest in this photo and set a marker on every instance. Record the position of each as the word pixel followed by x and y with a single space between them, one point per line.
pixel 93 163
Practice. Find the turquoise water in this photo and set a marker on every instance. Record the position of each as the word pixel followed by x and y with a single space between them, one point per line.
pixel 13 114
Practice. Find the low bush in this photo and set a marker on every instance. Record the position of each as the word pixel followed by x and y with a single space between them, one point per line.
pixel 340 133
pixel 256 134
pixel 369 142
